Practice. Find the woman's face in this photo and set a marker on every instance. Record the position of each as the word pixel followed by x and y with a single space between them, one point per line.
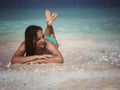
pixel 40 41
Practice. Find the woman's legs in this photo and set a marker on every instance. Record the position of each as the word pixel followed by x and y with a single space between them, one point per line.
pixel 49 31
pixel 49 20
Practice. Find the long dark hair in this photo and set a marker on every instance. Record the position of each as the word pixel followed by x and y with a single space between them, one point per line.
pixel 30 39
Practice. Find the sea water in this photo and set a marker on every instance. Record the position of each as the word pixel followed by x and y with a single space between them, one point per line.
pixel 87 36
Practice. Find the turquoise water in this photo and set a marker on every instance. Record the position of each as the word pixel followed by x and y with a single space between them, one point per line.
pixel 72 23
pixel 79 21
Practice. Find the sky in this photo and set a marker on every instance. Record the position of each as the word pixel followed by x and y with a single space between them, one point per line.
pixel 58 3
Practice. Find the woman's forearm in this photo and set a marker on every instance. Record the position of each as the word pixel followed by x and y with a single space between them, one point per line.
pixel 54 59
pixel 23 59
pixel 37 59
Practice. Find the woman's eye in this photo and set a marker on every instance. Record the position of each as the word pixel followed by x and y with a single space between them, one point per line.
pixel 38 39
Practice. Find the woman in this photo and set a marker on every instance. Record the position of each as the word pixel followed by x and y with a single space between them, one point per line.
pixel 39 47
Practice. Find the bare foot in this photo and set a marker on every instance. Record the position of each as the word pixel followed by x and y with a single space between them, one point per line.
pixel 47 14
pixel 52 18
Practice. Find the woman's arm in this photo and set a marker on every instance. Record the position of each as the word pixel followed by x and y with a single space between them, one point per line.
pixel 19 57
pixel 56 55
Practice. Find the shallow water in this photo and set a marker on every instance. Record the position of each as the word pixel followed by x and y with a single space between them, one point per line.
pixel 89 40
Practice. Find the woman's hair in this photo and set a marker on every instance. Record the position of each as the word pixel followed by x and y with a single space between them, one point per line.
pixel 30 39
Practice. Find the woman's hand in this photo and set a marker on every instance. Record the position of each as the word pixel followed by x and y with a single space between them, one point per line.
pixel 45 56
pixel 40 58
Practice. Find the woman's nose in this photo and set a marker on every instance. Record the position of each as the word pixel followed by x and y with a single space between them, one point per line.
pixel 42 39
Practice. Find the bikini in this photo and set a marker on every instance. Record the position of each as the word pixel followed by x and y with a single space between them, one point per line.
pixel 52 40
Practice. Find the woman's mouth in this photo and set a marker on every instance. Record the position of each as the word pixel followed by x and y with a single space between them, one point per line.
pixel 42 44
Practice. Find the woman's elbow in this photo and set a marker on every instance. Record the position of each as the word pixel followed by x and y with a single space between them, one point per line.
pixel 61 60
pixel 13 61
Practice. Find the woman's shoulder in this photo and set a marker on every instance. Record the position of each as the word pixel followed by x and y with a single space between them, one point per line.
pixel 22 44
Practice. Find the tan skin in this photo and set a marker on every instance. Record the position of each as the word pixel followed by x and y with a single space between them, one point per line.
pixel 43 46
pixel 56 56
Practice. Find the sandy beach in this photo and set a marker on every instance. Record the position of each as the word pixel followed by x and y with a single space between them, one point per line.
pixel 90 64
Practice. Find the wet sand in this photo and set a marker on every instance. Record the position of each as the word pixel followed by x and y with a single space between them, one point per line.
pixel 90 64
